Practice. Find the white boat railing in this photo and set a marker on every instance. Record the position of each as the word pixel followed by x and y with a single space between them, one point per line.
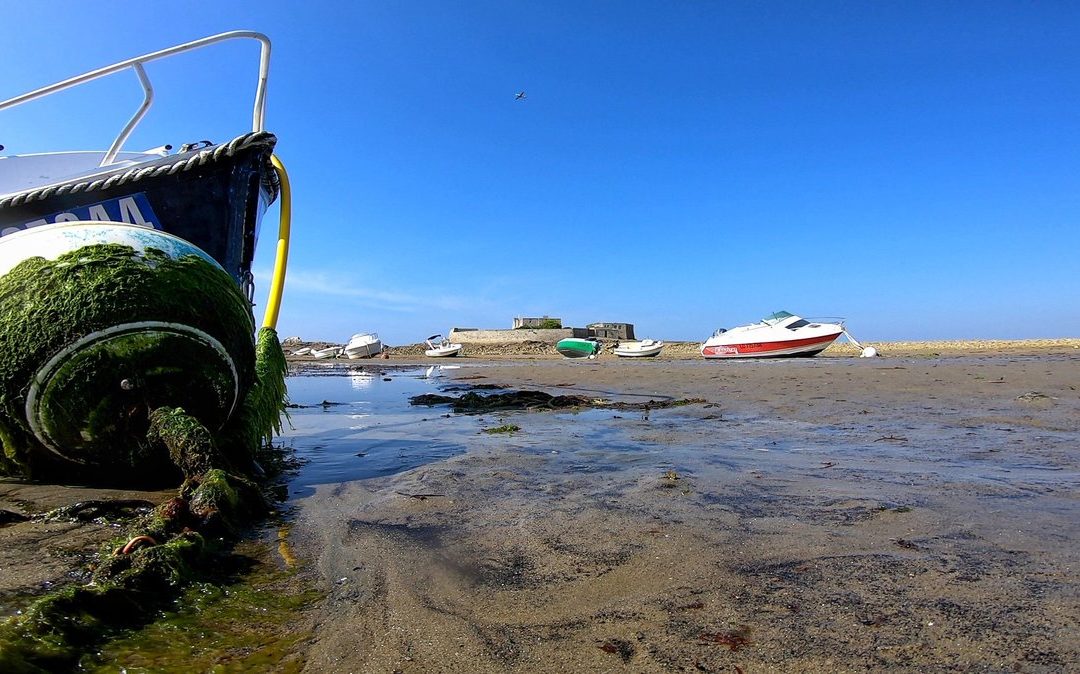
pixel 136 64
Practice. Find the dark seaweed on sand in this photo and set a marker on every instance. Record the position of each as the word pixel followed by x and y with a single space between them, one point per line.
pixel 476 403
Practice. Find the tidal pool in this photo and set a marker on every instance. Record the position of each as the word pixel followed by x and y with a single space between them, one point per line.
pixel 360 425
pixel 355 426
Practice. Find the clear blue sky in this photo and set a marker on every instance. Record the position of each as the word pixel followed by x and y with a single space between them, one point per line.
pixel 911 166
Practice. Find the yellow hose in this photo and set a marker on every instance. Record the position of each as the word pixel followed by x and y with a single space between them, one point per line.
pixel 284 549
pixel 281 259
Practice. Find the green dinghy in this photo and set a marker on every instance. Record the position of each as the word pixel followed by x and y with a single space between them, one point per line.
pixel 576 347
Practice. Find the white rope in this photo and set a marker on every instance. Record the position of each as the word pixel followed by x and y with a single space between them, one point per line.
pixel 867 351
pixel 852 340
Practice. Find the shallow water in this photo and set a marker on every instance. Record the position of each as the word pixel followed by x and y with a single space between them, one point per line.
pixel 358 426
pixel 899 457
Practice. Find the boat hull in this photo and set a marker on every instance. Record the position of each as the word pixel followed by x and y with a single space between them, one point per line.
pixel 212 197
pixel 790 348
pixel 639 350
pixel 363 351
pixel 573 347
pixel 356 354
pixel 444 352
pixel 363 345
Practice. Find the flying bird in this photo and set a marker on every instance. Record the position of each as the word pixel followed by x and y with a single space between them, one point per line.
pixel 520 96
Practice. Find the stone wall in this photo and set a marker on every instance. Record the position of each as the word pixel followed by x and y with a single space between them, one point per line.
pixel 509 336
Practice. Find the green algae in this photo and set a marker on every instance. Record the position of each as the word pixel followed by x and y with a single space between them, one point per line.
pixel 190 444
pixel 269 400
pixel 53 632
pixel 221 501
pixel 259 416
pixel 46 306
pixel 85 411
pixel 239 616
pixel 194 449
pixel 127 592
pixel 12 461
pixel 242 626
pixel 508 429
pixel 134 578
pixel 158 569
pixel 166 552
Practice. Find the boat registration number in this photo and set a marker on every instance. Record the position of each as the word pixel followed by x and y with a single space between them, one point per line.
pixel 722 350
pixel 133 209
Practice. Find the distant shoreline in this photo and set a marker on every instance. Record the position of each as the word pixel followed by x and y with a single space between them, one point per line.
pixel 690 350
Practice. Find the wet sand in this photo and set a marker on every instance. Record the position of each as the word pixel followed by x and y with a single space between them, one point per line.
pixel 825 515
pixel 39 554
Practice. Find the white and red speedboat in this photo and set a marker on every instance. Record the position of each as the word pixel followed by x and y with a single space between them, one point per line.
pixel 781 334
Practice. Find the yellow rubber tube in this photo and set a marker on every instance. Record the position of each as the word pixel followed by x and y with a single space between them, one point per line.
pixel 281 258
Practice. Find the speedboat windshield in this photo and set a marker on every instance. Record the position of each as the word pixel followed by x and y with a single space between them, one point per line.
pixel 777 317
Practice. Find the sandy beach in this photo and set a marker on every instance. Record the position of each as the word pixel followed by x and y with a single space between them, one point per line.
pixel 826 515
pixel 912 513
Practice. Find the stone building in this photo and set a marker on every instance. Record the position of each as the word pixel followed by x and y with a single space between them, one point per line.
pixel 536 323
pixel 621 331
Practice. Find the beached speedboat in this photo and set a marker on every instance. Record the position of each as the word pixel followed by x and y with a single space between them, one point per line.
pixel 126 284
pixel 363 345
pixel 781 334
pixel 646 348
pixel 439 347
pixel 576 347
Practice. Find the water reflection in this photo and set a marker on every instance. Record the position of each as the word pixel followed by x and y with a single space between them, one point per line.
pixel 361 380
pixel 361 426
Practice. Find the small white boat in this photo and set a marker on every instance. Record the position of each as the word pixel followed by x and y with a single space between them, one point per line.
pixel 328 352
pixel 646 348
pixel 303 351
pixel 363 345
pixel 439 347
pixel 781 334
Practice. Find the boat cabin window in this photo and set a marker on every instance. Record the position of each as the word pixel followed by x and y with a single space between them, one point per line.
pixel 798 324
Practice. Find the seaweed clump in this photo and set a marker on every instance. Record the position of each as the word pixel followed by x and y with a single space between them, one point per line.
pixel 476 403
pixel 180 541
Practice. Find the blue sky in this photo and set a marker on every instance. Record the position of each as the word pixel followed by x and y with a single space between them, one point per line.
pixel 911 166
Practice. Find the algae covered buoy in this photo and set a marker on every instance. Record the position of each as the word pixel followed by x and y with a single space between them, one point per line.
pixel 102 323
pixel 128 353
